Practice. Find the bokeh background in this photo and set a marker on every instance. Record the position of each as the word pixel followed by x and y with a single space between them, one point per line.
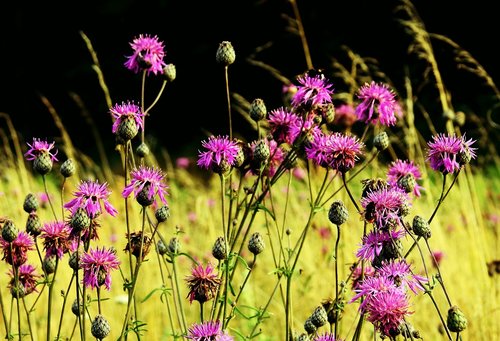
pixel 44 54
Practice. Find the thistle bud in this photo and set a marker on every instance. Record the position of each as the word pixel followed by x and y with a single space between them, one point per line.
pixel 33 224
pixel 161 247
pixel 80 219
pixel 162 213
pixel 49 264
pixel 319 317
pixel 143 197
pixel 225 53
pixel 338 213
pixel 142 150
pixel 127 128
pixel 256 243
pixel 43 163
pixel 328 113
pixel 261 151
pixel 9 231
pixel 421 227
pixel 258 110
pixel 407 182
pixel 456 320
pixel 30 203
pixel 309 326
pixel 381 141
pixel 76 308
pixel 174 245
pixel 100 327
pixel 68 168
pixel 169 72
pixel 219 249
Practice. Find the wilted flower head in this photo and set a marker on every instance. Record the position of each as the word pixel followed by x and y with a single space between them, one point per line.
pixel 378 104
pixel 20 247
pixel 203 283
pixel 40 147
pixel 56 241
pixel 128 110
pixel 27 279
pixel 208 331
pixel 139 244
pixel 92 195
pixel 220 154
pixel 385 206
pixel 97 265
pixel 148 54
pixel 146 183
pixel 399 271
pixel 312 91
pixel 284 125
pixel 444 150
pixel 400 168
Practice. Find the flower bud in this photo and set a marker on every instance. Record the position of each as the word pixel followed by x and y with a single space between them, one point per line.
pixel 30 203
pixel 225 53
pixel 381 141
pixel 68 168
pixel 256 243
pixel 338 213
pixel 258 110
pixel 169 72
pixel 219 249
pixel 456 320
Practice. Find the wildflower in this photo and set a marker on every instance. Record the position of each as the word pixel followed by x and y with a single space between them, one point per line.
pixel 148 55
pixel 146 183
pixel 128 118
pixel 182 162
pixel 325 337
pixel 368 271
pixel 345 115
pixel 41 155
pixel 400 272
pixel 56 240
pixel 437 257
pixel 97 265
pixel 220 154
pixel 399 169
pixel 374 242
pixel 92 195
pixel 385 206
pixel 27 280
pixel 378 104
pixel 258 110
pixel 387 309
pixel 319 150
pixel 282 123
pixel 203 283
pixel 209 330
pixel 444 150
pixel 345 151
pixel 138 244
pixel 20 247
pixel 312 91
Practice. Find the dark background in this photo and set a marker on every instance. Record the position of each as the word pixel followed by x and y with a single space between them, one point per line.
pixel 43 53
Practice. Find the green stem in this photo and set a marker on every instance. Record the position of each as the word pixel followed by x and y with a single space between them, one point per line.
pixel 4 317
pixel 143 86
pixel 157 97
pixel 49 304
pixel 18 294
pixel 228 97
pixel 336 280
pixel 28 318
pixel 176 279
pixel 261 314
pixel 349 193
pixel 48 197
pixel 64 305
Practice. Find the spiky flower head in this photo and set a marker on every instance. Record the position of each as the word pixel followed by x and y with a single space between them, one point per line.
pixel 142 150
pixel 41 155
pixel 203 283
pixel 220 154
pixel 326 337
pixel 97 265
pixel 128 118
pixel 444 152
pixel 56 240
pixel 174 245
pixel 359 274
pixel 313 91
pixel 225 54
pixel 400 272
pixel 162 213
pixel 138 244
pixel 373 243
pixel 456 320
pixel 400 168
pixel 20 247
pixel 258 110
pixel 100 327
pixel 49 263
pixel 92 196
pixel 27 280
pixel 30 203
pixel 345 115
pixel 148 54
pixel 378 104
pixel 345 151
pixel 338 213
pixel 284 125
pixel 208 331
pixel 385 206
pixel 146 183
pixel 309 326
pixel 68 168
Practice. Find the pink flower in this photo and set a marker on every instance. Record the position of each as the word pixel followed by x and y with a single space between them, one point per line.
pixel 148 55
pixel 437 257
pixel 121 112
pixel 345 115
pixel 373 243
pixel 20 247
pixel 444 152
pixel 203 283
pixel 182 162
pixel 27 279
pixel 345 151
pixel 220 153
pixel 206 331
pixel 378 104
pixel 385 206
pixel 147 179
pixel 312 91
pixel 56 241
pixel 387 310
pixel 284 125
pixel 39 147
pixel 400 168
pixel 91 195
pixel 399 271
pixel 97 265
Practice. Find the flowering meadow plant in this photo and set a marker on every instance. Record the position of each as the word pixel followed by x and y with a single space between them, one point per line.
pixel 316 226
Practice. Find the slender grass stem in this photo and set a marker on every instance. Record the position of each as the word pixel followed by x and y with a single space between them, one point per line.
pixel 48 197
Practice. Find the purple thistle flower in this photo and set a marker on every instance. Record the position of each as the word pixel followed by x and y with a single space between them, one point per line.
pixel 368 271
pixel 326 337
pixel 203 283
pixel 374 242
pixel 40 147
pixel 91 195
pixel 208 331
pixel 148 55
pixel 312 91
pixel 149 179
pixel 320 150
pixel 345 151
pixel 370 288
pixel 27 278
pixel 385 206
pixel 20 247
pixel 56 239
pixel 378 104
pixel 97 265
pixel 123 111
pixel 387 310
pixel 345 115
pixel 443 151
pixel 399 271
pixel 284 125
pixel 400 168
pixel 219 155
